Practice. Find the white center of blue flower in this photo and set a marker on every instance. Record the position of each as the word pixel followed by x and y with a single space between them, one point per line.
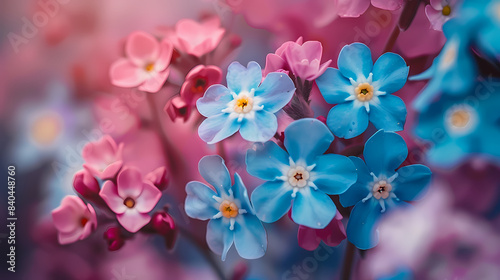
pixel 243 105
pixel 364 92
pixel 229 208
pixel 298 176
pixel 461 119
pixel 381 189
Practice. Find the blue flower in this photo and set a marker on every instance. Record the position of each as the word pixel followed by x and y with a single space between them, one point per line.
pixel 232 218
pixel 245 104
pixel 304 175
pixel 380 186
pixel 363 90
pixel 461 126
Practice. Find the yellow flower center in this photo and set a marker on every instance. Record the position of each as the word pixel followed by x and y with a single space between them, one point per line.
pixel 446 10
pixel 129 202
pixel 46 129
pixel 381 189
pixel 460 118
pixel 243 104
pixel 149 67
pixel 364 92
pixel 228 209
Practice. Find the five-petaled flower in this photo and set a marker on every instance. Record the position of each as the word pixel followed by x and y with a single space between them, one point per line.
pixel 380 187
pixel 74 220
pixel 131 198
pixel 146 64
pixel 363 90
pixel 232 218
pixel 440 11
pixel 245 104
pixel 304 175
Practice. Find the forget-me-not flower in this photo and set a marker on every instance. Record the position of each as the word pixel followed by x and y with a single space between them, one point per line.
pixel 304 175
pixel 380 186
pixel 232 218
pixel 363 90
pixel 245 104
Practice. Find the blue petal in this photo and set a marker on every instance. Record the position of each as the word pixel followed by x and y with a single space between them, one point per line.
pixel 360 189
pixel 313 208
pixel 346 121
pixel 334 87
pixel 217 128
pixel 214 171
pixel 459 75
pixel 272 200
pixel 250 237
pixel 411 180
pixel 241 79
pixel 384 152
pixel 306 139
pixel 199 201
pixel 361 228
pixel 275 91
pixel 355 61
pixel 214 100
pixel 389 114
pixel 390 72
pixel 240 193
pixel 219 236
pixel 266 161
pixel 261 128
pixel 449 153
pixel 333 174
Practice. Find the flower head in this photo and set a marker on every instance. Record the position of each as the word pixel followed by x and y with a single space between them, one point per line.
pixel 363 90
pixel 85 184
pixel 439 12
pixel 380 187
pixel 131 198
pixel 355 8
pixel 74 220
pixel 232 218
pixel 303 175
pixel 103 158
pixel 245 104
pixel 146 64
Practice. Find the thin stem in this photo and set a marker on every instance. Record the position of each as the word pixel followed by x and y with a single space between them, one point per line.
pixel 348 261
pixel 205 252
pixel 392 39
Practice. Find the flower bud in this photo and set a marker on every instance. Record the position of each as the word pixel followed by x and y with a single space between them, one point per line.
pixel 114 238
pixel 164 225
pixel 85 184
pixel 159 177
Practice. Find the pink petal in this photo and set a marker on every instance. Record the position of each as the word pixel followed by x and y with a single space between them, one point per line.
pixel 390 5
pixel 109 193
pixel 274 63
pixel 102 151
pixel 147 200
pixel 437 4
pixel 129 183
pixel 177 108
pixel 111 170
pixel 142 48
pixel 155 82
pixel 124 73
pixel 132 220
pixel 352 8
pixel 69 237
pixel 307 238
pixel 436 18
pixel 66 216
pixel 165 56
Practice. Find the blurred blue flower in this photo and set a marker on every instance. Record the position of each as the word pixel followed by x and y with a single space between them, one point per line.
pixel 304 175
pixel 380 186
pixel 232 218
pixel 363 90
pixel 245 104
pixel 460 126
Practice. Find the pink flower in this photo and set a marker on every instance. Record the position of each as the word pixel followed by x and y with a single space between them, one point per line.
pixel 276 62
pixel 158 177
pixel 131 198
pixel 74 220
pixel 304 59
pixel 355 8
pixel 439 12
pixel 146 64
pixel 331 235
pixel 197 81
pixel 103 158
pixel 85 184
pixel 196 38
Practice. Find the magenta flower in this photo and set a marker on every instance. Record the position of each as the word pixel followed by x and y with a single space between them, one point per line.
pixel 439 12
pixel 131 198
pixel 74 220
pixel 355 8
pixel 196 38
pixel 197 81
pixel 331 235
pixel 103 158
pixel 302 59
pixel 146 64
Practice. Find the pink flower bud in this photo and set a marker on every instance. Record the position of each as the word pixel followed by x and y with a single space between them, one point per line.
pixel 164 225
pixel 114 238
pixel 85 184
